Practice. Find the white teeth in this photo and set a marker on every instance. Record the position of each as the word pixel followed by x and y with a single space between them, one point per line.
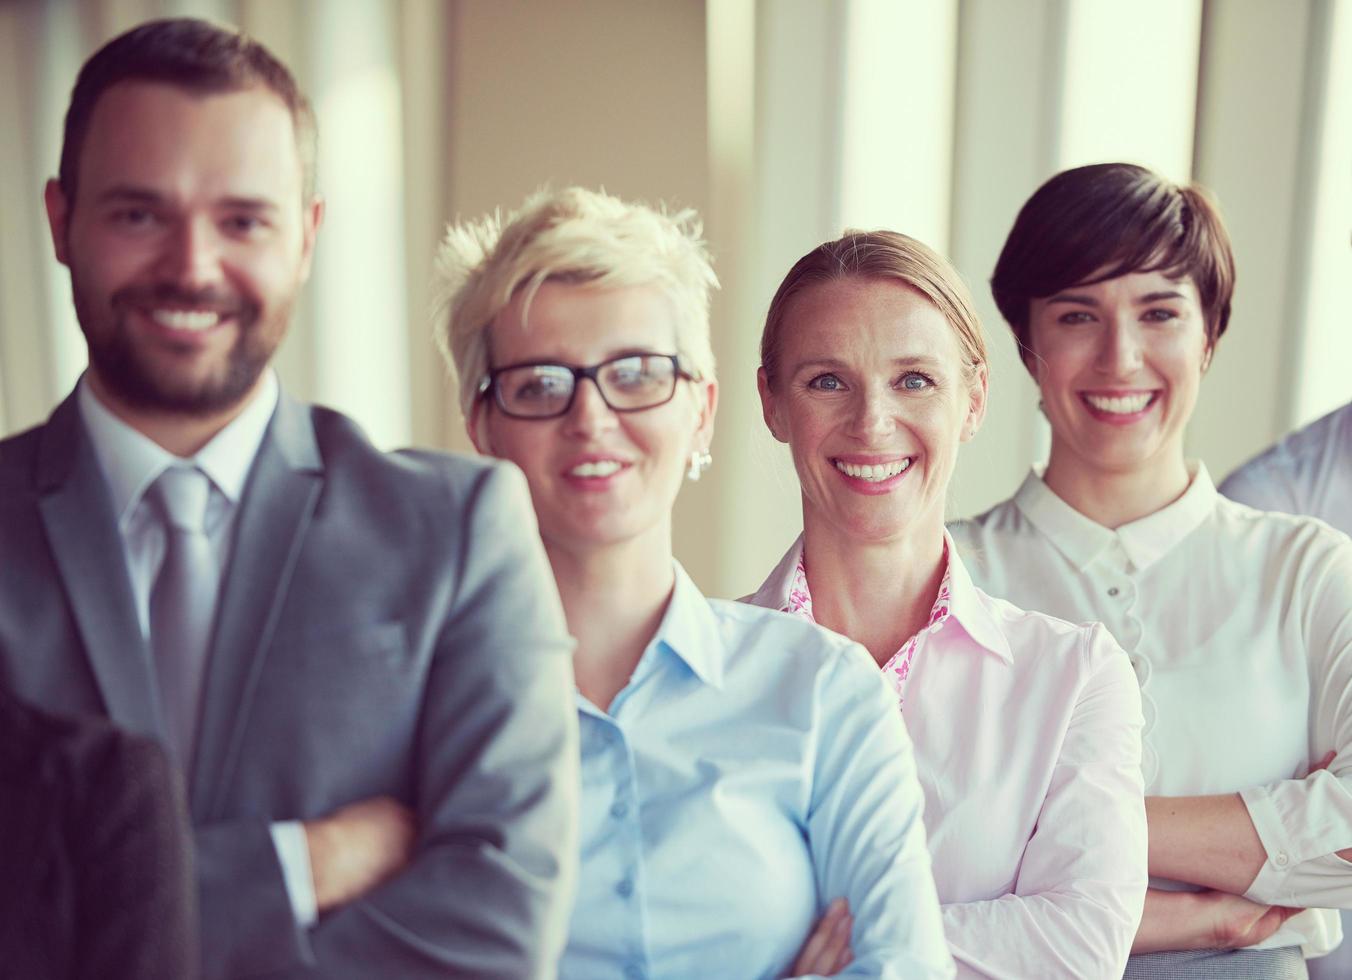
pixel 600 467
pixel 873 474
pixel 195 320
pixel 1121 405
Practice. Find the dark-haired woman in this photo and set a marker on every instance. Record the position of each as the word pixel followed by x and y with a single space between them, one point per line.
pixel 1117 285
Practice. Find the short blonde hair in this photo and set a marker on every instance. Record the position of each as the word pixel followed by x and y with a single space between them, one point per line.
pixel 571 235
pixel 880 255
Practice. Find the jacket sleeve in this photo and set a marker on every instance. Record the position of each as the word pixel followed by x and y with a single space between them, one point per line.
pixel 135 907
pixel 489 891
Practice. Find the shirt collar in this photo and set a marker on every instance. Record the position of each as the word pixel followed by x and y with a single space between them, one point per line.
pixel 132 461
pixel 689 630
pixel 1150 538
pixel 1144 541
pixel 967 606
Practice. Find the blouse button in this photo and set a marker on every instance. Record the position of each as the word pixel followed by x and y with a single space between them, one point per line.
pixel 625 888
pixel 1280 859
pixel 1113 592
pixel 619 810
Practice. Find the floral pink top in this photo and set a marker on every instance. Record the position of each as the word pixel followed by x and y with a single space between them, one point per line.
pixel 898 667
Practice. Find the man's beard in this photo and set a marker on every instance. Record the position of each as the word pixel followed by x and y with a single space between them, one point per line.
pixel 140 383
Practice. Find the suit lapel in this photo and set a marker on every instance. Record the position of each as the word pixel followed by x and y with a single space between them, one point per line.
pixel 275 512
pixel 77 514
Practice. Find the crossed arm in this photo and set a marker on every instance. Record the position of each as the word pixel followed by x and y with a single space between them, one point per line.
pixel 1270 851
pixel 490 833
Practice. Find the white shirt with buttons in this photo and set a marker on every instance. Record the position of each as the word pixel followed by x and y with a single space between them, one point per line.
pixel 1238 624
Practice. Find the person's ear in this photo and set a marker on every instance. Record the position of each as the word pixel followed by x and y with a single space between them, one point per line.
pixel 312 216
pixel 769 405
pixel 976 405
pixel 476 427
pixel 707 396
pixel 58 218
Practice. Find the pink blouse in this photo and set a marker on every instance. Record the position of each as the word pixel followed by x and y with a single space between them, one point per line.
pixel 1029 753
pixel 898 668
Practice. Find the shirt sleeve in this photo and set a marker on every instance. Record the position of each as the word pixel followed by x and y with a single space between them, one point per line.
pixel 293 851
pixel 1080 889
pixel 1303 822
pixel 866 829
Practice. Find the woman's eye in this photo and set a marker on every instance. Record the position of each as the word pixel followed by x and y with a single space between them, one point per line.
pixel 915 381
pixel 1159 315
pixel 540 387
pixel 826 382
pixel 1075 316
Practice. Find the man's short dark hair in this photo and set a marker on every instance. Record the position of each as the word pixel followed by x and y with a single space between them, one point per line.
pixel 191 54
pixel 1095 223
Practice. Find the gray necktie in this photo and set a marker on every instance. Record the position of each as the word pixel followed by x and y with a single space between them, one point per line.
pixel 182 603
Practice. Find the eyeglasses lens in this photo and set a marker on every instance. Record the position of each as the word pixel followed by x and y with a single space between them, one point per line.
pixel 637 382
pixel 626 383
pixel 535 391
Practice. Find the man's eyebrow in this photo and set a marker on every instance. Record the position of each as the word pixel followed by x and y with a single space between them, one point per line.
pixel 249 203
pixel 130 193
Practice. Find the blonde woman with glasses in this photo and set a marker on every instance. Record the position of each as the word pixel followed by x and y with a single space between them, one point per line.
pixel 740 768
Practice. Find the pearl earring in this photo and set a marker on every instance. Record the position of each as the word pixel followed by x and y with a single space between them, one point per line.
pixel 700 460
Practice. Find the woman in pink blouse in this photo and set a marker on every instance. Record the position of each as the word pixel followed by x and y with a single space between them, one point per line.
pixel 1026 728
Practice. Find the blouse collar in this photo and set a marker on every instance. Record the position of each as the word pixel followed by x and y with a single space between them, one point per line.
pixel 967 606
pixel 1144 541
pixel 689 631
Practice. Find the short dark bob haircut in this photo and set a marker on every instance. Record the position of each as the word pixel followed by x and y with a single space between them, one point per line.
pixel 1095 223
pixel 191 54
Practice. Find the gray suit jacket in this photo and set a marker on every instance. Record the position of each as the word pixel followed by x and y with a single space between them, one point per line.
pixel 388 625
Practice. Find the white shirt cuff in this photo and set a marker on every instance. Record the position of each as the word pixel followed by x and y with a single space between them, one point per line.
pixel 288 837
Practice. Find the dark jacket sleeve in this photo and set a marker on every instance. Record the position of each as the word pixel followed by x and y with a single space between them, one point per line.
pixel 136 909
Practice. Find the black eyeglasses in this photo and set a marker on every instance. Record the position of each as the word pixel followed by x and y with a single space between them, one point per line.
pixel 544 390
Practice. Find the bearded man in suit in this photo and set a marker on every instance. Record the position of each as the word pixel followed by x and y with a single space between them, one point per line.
pixel 356 659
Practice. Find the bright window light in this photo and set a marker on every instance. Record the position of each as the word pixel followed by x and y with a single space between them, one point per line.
pixel 1130 86
pixel 897 152
pixel 1327 347
pixel 360 301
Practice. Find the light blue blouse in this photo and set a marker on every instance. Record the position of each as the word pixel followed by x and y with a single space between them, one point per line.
pixel 754 768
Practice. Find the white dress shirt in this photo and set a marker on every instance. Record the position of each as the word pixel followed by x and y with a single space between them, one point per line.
pixel 131 462
pixel 1309 472
pixel 1027 734
pixel 752 769
pixel 1239 626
